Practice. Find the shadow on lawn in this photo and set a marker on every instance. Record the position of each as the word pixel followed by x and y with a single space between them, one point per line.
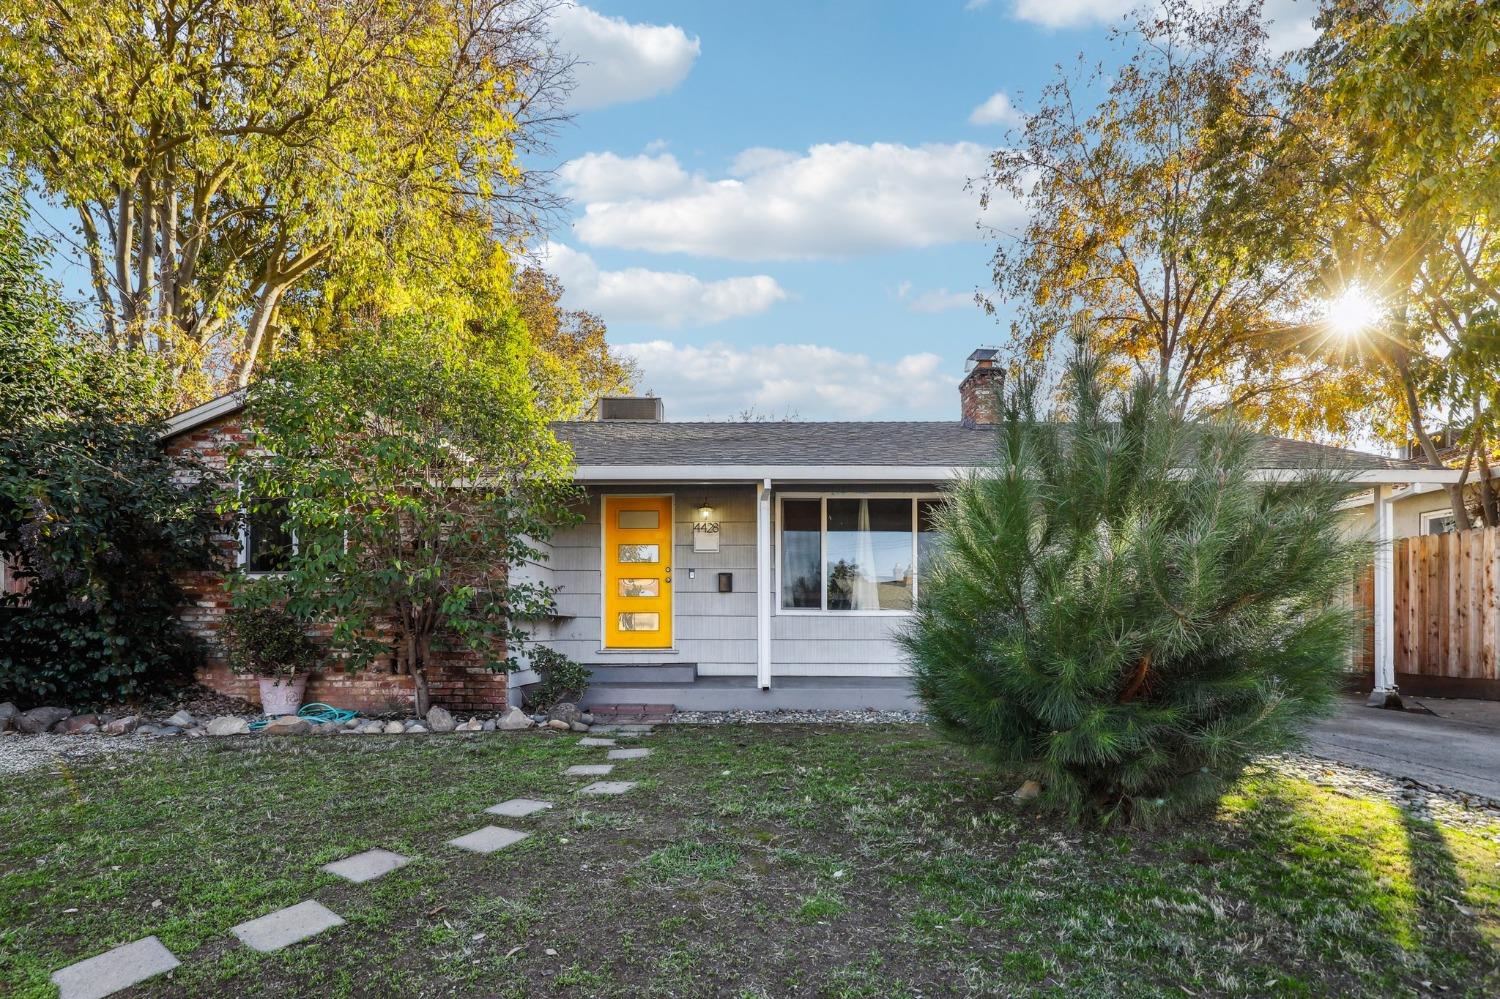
pixel 1447 921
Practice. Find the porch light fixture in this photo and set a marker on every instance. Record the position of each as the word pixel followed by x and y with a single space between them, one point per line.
pixel 705 510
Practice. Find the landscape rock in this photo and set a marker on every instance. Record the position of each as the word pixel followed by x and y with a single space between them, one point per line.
pixel 1028 791
pixel 229 725
pixel 39 720
pixel 122 726
pixel 196 732
pixel 158 730
pixel 579 726
pixel 372 727
pixel 488 726
pixel 182 719
pixel 559 724
pixel 394 728
pixel 587 718
pixel 564 711
pixel 287 725
pixel 8 714
pixel 440 720
pixel 514 720
pixel 77 725
pixel 416 730
pixel 324 728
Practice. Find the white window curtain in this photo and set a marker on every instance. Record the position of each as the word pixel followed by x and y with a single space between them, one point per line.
pixel 864 592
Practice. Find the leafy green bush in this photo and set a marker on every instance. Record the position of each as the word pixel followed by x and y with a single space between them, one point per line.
pixel 1119 609
pixel 562 679
pixel 267 641
pixel 414 467
pixel 95 519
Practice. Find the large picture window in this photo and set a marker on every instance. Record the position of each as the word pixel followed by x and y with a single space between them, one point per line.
pixel 854 553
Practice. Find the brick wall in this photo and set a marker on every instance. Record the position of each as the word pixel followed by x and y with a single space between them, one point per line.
pixel 455 681
pixel 461 691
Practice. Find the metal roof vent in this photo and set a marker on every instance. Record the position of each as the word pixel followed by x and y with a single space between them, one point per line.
pixel 629 408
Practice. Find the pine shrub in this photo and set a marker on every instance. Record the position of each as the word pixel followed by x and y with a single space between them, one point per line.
pixel 1121 609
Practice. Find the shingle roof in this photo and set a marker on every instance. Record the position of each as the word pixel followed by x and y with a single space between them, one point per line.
pixel 865 443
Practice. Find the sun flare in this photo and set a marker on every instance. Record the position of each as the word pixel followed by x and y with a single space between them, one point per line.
pixel 1354 311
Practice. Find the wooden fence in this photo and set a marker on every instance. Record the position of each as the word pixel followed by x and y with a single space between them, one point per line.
pixel 1447 608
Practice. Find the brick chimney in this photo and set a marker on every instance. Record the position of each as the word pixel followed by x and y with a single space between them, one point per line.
pixel 979 392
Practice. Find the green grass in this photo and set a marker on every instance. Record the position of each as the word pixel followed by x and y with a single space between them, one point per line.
pixel 766 861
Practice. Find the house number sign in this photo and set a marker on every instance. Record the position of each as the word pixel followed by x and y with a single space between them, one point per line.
pixel 706 537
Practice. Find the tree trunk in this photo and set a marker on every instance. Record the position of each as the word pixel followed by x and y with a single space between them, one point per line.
pixel 423 699
pixel 1489 506
pixel 260 321
pixel 1429 449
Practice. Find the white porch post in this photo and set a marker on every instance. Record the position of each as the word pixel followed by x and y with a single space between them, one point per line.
pixel 1384 695
pixel 763 584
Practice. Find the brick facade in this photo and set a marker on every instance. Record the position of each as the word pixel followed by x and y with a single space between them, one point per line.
pixel 454 681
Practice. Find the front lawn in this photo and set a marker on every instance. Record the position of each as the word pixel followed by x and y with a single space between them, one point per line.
pixel 750 861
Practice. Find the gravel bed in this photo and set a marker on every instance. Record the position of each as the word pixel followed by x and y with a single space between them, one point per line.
pixel 791 717
pixel 1473 812
pixel 20 753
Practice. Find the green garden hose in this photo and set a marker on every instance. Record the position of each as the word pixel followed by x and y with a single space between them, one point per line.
pixel 318 713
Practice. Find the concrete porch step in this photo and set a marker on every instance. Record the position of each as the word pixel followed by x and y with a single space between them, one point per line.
pixel 644 673
pixel 728 693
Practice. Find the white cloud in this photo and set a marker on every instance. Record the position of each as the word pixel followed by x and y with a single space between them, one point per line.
pixel 1291 20
pixel 607 177
pixel 996 110
pixel 666 298
pixel 718 380
pixel 1070 13
pixel 619 61
pixel 940 300
pixel 1291 23
pixel 834 200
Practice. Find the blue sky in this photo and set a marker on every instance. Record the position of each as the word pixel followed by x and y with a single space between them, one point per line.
pixel 768 204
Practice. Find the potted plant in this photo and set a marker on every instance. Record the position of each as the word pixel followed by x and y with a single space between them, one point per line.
pixel 268 643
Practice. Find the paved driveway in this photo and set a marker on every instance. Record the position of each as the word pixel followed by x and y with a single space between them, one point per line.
pixel 1458 747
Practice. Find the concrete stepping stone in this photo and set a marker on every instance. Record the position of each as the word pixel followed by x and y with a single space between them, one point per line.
pixel 488 840
pixel 519 808
pixel 285 927
pixel 608 787
pixel 590 770
pixel 367 866
pixel 591 741
pixel 629 754
pixel 114 970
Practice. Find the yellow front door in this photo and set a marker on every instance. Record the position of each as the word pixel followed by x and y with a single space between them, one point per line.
pixel 637 572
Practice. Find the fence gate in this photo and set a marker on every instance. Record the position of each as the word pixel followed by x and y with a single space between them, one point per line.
pixel 1447 607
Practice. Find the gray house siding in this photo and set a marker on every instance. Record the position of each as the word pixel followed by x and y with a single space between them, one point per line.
pixel 715 631
pixel 712 629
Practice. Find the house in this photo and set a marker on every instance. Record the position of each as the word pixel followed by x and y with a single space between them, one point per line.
pixel 760 565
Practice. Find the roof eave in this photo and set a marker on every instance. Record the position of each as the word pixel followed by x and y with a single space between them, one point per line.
pixel 208 412
pixel 602 474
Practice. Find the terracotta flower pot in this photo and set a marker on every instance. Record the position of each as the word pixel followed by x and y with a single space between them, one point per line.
pixel 281 695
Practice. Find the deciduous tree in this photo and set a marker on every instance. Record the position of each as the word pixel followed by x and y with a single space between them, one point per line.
pixel 415 470
pixel 1149 224
pixel 220 154
pixel 1393 140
